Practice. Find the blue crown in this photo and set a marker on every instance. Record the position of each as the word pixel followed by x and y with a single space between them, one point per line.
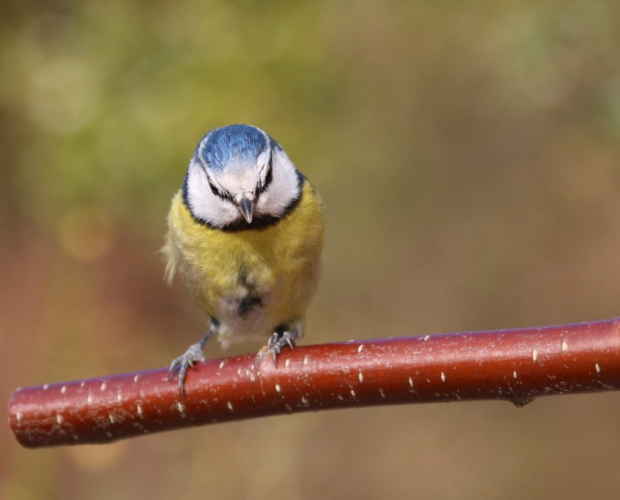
pixel 242 143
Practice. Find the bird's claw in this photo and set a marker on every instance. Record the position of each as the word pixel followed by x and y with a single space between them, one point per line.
pixel 182 363
pixel 277 341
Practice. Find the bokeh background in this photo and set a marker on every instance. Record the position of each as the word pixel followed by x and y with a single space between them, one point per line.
pixel 468 154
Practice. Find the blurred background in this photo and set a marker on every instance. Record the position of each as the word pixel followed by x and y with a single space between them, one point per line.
pixel 468 154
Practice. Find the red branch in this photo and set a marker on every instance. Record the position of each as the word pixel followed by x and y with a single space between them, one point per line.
pixel 513 365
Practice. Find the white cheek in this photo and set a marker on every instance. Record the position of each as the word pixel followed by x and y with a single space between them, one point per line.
pixel 284 188
pixel 204 204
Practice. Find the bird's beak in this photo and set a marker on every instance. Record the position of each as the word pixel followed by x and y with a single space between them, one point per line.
pixel 246 207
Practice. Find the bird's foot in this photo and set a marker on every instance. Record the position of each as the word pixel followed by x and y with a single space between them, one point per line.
pixel 193 355
pixel 279 340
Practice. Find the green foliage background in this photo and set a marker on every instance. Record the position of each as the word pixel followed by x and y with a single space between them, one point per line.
pixel 468 154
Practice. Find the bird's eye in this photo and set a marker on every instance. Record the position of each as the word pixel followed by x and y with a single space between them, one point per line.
pixel 262 185
pixel 268 176
pixel 214 190
pixel 221 194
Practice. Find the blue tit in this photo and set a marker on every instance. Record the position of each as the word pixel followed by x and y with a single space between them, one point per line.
pixel 245 234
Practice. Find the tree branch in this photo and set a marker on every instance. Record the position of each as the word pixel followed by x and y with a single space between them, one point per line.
pixel 514 365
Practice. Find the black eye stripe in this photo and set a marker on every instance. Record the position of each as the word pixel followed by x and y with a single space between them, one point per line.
pixel 268 178
pixel 221 194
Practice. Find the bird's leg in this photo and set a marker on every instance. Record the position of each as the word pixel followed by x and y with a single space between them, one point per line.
pixel 193 355
pixel 283 336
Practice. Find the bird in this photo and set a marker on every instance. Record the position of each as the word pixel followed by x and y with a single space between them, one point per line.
pixel 245 235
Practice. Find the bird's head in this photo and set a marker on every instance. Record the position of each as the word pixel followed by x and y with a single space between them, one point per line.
pixel 238 177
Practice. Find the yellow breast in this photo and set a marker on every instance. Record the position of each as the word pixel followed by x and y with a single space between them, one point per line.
pixel 253 280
